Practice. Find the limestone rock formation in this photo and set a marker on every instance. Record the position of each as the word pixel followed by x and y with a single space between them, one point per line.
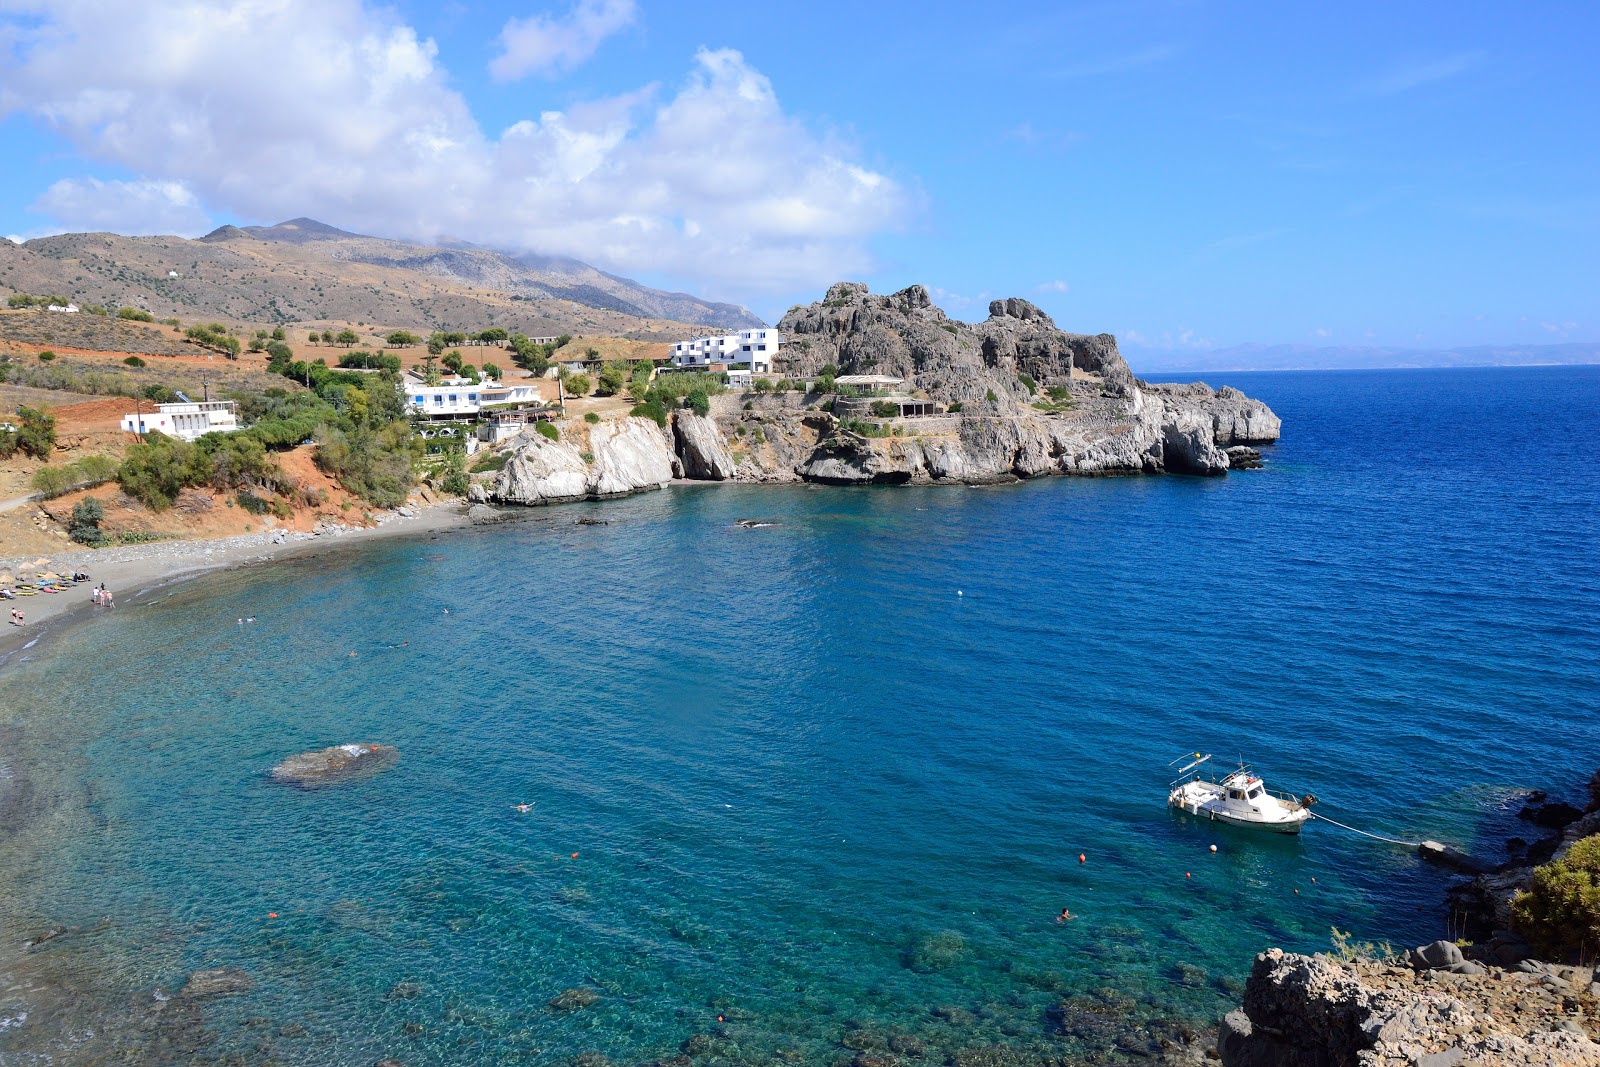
pixel 216 982
pixel 1314 1011
pixel 329 766
pixel 624 456
pixel 700 448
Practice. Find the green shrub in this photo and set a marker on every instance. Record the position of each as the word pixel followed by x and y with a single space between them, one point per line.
pixel 490 461
pixel 884 409
pixel 612 380
pixel 46 356
pixel 587 457
pixel 548 429
pixel 455 480
pixel 577 384
pixel 1559 913
pixel 51 482
pixel 1059 392
pixel 134 361
pixel 36 436
pixel 990 397
pixel 255 505
pixel 651 408
pixel 955 407
pixel 135 315
pixel 85 525
pixel 591 418
pixel 698 402
pixel 824 383
pixel 92 470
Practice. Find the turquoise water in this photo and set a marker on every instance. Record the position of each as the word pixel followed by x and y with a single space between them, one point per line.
pixel 830 778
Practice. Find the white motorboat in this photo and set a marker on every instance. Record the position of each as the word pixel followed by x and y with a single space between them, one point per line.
pixel 1239 798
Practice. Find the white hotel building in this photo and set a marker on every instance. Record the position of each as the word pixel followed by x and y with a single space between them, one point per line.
pixel 184 421
pixel 755 347
pixel 459 398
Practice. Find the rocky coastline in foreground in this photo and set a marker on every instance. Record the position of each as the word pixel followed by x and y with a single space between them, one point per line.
pixel 1012 397
pixel 1487 1001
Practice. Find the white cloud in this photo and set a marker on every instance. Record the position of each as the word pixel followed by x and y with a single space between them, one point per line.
pixel 546 45
pixel 139 207
pixel 1415 73
pixel 354 123
pixel 1057 286
pixel 1322 331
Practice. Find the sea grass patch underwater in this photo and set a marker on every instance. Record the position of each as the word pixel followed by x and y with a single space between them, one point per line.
pixel 786 776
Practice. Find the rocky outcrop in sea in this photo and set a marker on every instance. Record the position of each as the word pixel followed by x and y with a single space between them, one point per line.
pixel 1016 397
pixel 330 766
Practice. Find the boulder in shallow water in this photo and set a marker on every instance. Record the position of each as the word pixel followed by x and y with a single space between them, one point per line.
pixel 573 999
pixel 331 766
pixel 217 982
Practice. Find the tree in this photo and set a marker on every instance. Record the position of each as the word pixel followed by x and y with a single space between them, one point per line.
pixel 454 337
pixel 436 343
pixel 327 337
pixel 36 435
pixel 430 369
pixel 491 370
pixel 402 339
pixel 762 385
pixel 313 337
pixel 577 384
pixel 453 361
pixel 611 380
pixel 1559 912
pixel 86 517
pixel 347 337
pixel 258 344
pixel 278 334
pixel 639 384
pixel 493 335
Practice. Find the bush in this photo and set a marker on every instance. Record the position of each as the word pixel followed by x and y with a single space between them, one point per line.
pixel 134 361
pixel 135 315
pixel 1028 383
pixel 577 384
pixel 255 505
pixel 990 397
pixel 455 480
pixel 154 472
pixel 884 409
pixel 46 356
pixel 955 407
pixel 36 435
pixel 548 429
pixel 611 380
pixel 591 418
pixel 402 339
pixel 824 382
pixel 85 525
pixel 1559 913
pixel 92 470
pixel 51 482
pixel 698 402
pixel 490 461
pixel 651 408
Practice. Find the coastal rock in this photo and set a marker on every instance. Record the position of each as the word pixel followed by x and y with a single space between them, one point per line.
pixel 217 982
pixel 573 999
pixel 1314 1011
pixel 700 448
pixel 629 456
pixel 484 515
pixel 330 766
pixel 540 471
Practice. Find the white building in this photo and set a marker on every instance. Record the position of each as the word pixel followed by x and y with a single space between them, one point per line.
pixel 184 421
pixel 65 309
pixel 755 347
pixel 456 397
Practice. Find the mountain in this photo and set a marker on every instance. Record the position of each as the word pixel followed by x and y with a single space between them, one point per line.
pixel 1350 357
pixel 306 272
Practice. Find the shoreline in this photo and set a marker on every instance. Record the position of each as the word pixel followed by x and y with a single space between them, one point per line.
pixel 134 571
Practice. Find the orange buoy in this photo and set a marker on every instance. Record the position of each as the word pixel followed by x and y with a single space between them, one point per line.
pixel 1081 858
pixel 1213 848
pixel 1186 874
pixel 272 915
pixel 1297 892
pixel 719 1018
pixel 574 855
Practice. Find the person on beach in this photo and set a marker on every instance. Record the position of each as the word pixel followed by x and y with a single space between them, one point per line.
pixel 105 597
pixel 18 618
pixel 94 595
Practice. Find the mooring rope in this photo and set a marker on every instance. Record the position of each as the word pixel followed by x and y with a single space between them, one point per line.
pixel 1363 833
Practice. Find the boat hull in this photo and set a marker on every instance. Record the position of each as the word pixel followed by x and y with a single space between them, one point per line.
pixel 1206 808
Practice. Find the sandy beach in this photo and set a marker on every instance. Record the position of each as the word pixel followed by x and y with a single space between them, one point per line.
pixel 131 571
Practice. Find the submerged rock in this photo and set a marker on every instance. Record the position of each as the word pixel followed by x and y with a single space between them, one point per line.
pixel 330 766
pixel 217 982
pixel 573 999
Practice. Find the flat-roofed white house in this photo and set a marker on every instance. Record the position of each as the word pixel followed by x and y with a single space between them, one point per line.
pixel 185 421
pixel 755 347
pixel 456 397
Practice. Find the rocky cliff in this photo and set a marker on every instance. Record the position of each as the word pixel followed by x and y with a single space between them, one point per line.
pixel 1020 398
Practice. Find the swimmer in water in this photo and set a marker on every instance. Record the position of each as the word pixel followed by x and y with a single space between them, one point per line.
pixel 1064 916
pixel 524 807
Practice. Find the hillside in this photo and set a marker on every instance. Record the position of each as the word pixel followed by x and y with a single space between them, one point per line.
pixel 303 273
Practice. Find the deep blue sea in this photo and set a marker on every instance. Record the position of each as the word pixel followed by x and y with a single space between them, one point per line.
pixel 828 779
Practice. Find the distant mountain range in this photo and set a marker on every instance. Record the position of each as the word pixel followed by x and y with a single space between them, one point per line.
pixel 303 271
pixel 1344 357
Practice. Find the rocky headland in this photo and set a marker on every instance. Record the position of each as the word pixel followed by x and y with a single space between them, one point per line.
pixel 1485 1001
pixel 1011 397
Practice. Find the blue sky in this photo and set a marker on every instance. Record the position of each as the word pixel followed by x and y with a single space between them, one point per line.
pixel 1182 174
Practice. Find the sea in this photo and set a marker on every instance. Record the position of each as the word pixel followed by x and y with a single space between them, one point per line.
pixel 812 772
